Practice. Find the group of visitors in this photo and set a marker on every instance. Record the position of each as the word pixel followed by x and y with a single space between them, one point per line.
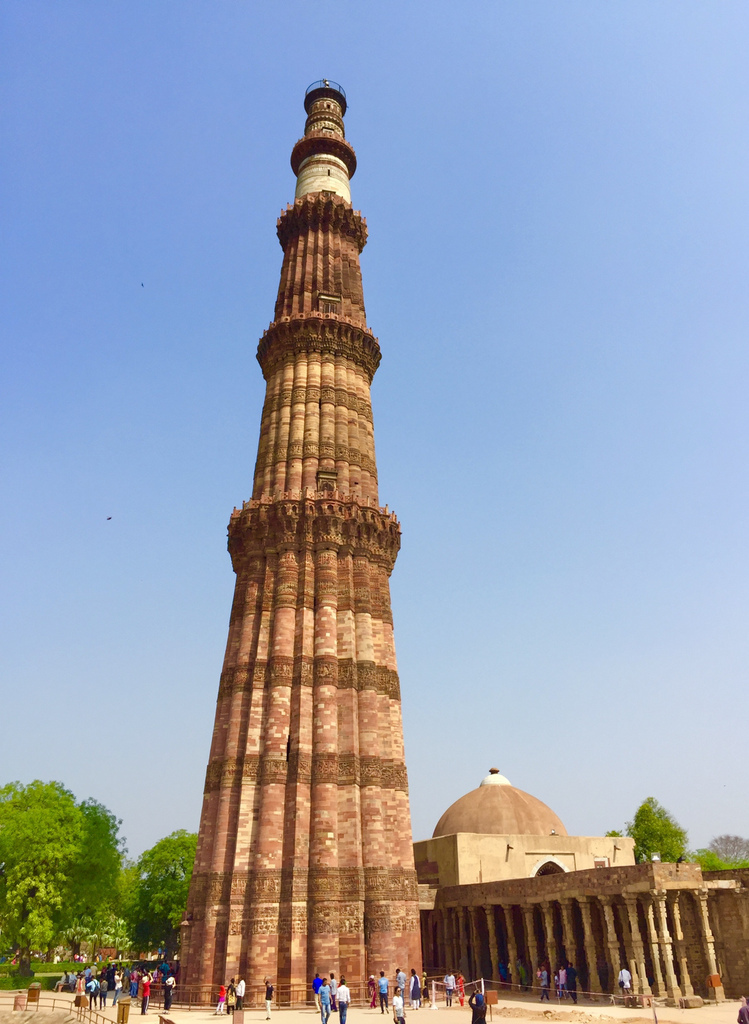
pixel 118 979
pixel 231 997
pixel 454 983
pixel 331 996
pixel 565 981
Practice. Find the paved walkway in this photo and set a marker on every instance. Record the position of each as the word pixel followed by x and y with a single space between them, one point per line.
pixel 521 1011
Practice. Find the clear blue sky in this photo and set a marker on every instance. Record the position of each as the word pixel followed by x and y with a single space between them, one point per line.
pixel 557 272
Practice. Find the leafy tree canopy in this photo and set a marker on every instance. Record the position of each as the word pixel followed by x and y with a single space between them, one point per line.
pixel 655 830
pixel 160 896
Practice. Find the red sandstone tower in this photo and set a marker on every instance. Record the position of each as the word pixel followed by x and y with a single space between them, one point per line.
pixel 304 859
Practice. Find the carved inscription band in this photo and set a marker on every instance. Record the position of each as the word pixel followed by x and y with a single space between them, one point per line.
pixel 336 769
pixel 351 675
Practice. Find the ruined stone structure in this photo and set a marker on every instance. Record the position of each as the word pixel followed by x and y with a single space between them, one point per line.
pixel 304 858
pixel 501 882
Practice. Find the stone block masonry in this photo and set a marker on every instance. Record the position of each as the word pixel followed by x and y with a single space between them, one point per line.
pixel 304 858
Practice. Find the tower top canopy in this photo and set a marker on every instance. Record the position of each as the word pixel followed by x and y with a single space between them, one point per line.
pixel 325 88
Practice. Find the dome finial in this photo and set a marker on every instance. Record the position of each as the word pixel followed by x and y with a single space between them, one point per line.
pixel 494 771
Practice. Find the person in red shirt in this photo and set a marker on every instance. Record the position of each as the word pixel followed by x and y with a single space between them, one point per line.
pixel 146 992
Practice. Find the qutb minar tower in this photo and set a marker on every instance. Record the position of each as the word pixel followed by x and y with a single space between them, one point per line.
pixel 304 858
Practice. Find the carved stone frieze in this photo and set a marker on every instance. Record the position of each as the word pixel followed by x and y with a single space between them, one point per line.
pixel 317 210
pixel 313 523
pixel 314 332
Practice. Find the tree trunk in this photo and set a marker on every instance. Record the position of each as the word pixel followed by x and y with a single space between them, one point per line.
pixel 75 947
pixel 24 962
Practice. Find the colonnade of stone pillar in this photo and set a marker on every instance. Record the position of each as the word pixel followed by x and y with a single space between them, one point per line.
pixel 600 935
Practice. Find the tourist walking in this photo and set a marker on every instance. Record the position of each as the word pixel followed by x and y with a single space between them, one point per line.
pixel 372 986
pixel 461 985
pixel 625 981
pixel 333 991
pixel 344 1000
pixel 324 994
pixel 572 983
pixel 424 988
pixel 743 1017
pixel 317 982
pixel 449 981
pixel 241 988
pixel 400 981
pixel 146 993
pixel 268 998
pixel 169 984
pixel 92 991
pixel 134 979
pixel 543 977
pixel 103 990
pixel 398 1011
pixel 561 980
pixel 382 988
pixel 117 987
pixel 221 1004
pixel 478 1007
pixel 414 991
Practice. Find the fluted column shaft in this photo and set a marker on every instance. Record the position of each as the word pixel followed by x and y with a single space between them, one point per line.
pixel 589 941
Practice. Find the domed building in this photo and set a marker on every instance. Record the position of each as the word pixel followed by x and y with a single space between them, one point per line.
pixel 503 890
pixel 497 831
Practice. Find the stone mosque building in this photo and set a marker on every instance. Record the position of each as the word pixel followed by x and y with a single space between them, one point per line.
pixel 303 863
pixel 502 883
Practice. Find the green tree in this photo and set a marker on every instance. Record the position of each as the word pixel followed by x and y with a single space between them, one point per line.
pixel 41 832
pixel 655 830
pixel 59 862
pixel 163 879
pixel 93 884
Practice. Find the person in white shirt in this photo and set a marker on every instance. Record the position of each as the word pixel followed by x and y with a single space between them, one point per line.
pixel 398 1006
pixel 240 991
pixel 449 981
pixel 344 998
pixel 625 981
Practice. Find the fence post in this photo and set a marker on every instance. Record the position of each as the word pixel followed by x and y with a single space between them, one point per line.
pixel 433 1000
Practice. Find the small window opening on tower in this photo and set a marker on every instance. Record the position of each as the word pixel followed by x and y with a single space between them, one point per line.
pixel 329 303
pixel 288 747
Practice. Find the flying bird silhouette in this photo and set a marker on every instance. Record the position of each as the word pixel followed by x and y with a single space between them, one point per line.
pixel 108 518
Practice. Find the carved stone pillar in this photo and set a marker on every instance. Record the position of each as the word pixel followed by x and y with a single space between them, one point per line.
pixel 512 946
pixel 452 952
pixel 589 941
pixel 531 946
pixel 612 942
pixel 465 965
pixel 568 931
pixel 474 963
pixel 638 947
pixel 547 916
pixel 709 941
pixel 629 948
pixel 681 949
pixel 659 903
pixel 655 955
pixel 491 927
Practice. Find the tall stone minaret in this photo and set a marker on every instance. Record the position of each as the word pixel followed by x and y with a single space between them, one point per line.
pixel 304 859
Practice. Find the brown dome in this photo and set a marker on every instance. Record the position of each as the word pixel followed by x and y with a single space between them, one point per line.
pixel 496 808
